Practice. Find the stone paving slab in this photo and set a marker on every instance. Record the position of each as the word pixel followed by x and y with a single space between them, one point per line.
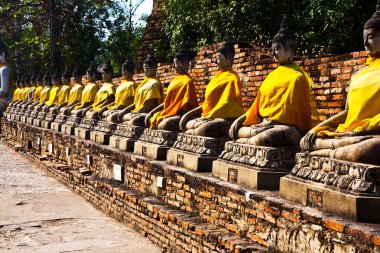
pixel 38 214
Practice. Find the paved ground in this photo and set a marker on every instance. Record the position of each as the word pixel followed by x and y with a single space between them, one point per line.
pixel 38 214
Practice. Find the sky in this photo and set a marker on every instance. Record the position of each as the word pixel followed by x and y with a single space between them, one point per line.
pixel 145 8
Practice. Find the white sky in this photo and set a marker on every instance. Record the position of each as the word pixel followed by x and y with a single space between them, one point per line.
pixel 145 8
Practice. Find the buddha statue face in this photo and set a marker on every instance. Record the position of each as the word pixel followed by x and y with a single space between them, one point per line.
pixel 107 75
pixel 91 77
pixel 65 80
pixel 371 37
pixel 180 66
pixel 281 53
pixel 127 74
pixel 149 71
pixel 223 61
pixel 56 81
pixel 77 79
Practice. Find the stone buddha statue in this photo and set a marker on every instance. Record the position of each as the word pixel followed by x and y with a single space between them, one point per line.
pixel 89 92
pixel 53 95
pixel 281 112
pixel 42 87
pixel 16 93
pixel 180 97
pixel 125 93
pixel 5 78
pixel 63 93
pixel 25 91
pixel 75 95
pixel 353 134
pixel 105 95
pixel 223 99
pixel 45 93
pixel 149 94
pixel 30 92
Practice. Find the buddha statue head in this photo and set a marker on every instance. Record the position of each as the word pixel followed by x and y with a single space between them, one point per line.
pixel 77 75
pixel 107 72
pixel 92 73
pixel 3 52
pixel 150 66
pixel 225 54
pixel 283 43
pixel 56 79
pixel 33 79
pixel 26 81
pixel 39 79
pixel 128 69
pixel 47 79
pixel 181 61
pixel 371 33
pixel 66 77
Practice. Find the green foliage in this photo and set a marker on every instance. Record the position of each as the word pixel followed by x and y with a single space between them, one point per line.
pixel 321 26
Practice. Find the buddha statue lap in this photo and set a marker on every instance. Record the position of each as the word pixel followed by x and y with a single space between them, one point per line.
pixel 339 159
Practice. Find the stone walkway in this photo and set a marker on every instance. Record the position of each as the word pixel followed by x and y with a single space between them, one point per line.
pixel 38 214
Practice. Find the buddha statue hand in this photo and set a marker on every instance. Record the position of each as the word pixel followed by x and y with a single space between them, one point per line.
pixel 307 143
pixel 197 112
pixel 147 119
pixel 234 129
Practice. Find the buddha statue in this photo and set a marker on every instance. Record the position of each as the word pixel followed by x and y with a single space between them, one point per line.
pixel 105 95
pixel 352 135
pixel 16 93
pixel 281 112
pixel 223 99
pixel 53 94
pixel 25 91
pixel 6 81
pixel 88 94
pixel 149 94
pixel 45 93
pixel 125 93
pixel 37 91
pixel 180 97
pixel 75 95
pixel 30 92
pixel 63 94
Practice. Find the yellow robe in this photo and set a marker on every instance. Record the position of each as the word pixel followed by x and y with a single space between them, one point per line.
pixel 75 95
pixel 125 90
pixel 16 93
pixel 31 89
pixel 63 95
pixel 180 94
pixel 24 95
pixel 53 96
pixel 284 97
pixel 45 93
pixel 223 98
pixel 149 88
pixel 363 102
pixel 37 93
pixel 88 94
pixel 104 92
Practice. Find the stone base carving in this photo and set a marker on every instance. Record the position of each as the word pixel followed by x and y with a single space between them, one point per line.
pixel 345 188
pixel 190 161
pixel 84 128
pixel 38 120
pixel 102 132
pixel 125 136
pixel 56 125
pixel 49 118
pixel 69 126
pixel 31 117
pixel 154 143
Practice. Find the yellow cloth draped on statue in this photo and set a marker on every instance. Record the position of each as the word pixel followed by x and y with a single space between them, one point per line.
pixel 88 94
pixel 223 98
pixel 104 92
pixel 37 93
pixel 125 90
pixel 31 92
pixel 149 88
pixel 24 94
pixel 75 95
pixel 180 94
pixel 286 97
pixel 63 95
pixel 53 96
pixel 363 102
pixel 16 94
pixel 45 94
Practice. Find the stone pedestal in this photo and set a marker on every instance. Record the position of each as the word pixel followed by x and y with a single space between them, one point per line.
pixel 38 120
pixel 69 126
pixel 31 117
pixel 154 144
pixel 125 136
pixel 195 153
pixel 256 167
pixel 102 132
pixel 56 125
pixel 84 128
pixel 49 118
pixel 344 188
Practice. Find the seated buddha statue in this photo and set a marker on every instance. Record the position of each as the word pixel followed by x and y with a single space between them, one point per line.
pixel 125 92
pixel 223 101
pixel 105 95
pixel 30 92
pixel 53 94
pixel 353 134
pixel 75 95
pixel 149 94
pixel 16 93
pixel 6 80
pixel 45 93
pixel 88 94
pixel 20 94
pixel 281 112
pixel 63 94
pixel 180 97
pixel 24 95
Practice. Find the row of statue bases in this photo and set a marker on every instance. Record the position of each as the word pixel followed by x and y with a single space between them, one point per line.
pixel 273 146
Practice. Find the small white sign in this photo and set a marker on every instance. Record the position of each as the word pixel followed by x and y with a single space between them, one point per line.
pixel 14 132
pixel 117 172
pixel 21 136
pixel 68 151
pixel 51 148
pixel 160 182
pixel 38 141
pixel 89 159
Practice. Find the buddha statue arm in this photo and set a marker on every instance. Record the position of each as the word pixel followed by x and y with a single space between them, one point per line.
pixel 197 112
pixel 149 105
pixel 234 129
pixel 125 111
pixel 151 113
pixel 307 142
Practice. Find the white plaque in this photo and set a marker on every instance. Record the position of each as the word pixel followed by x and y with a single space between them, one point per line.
pixel 160 182
pixel 117 172
pixel 21 136
pixel 38 141
pixel 89 159
pixel 51 148
pixel 68 151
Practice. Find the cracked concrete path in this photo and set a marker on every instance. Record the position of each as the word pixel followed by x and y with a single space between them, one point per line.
pixel 38 214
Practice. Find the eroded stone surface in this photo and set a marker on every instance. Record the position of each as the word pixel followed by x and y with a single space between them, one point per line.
pixel 160 137
pixel 200 145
